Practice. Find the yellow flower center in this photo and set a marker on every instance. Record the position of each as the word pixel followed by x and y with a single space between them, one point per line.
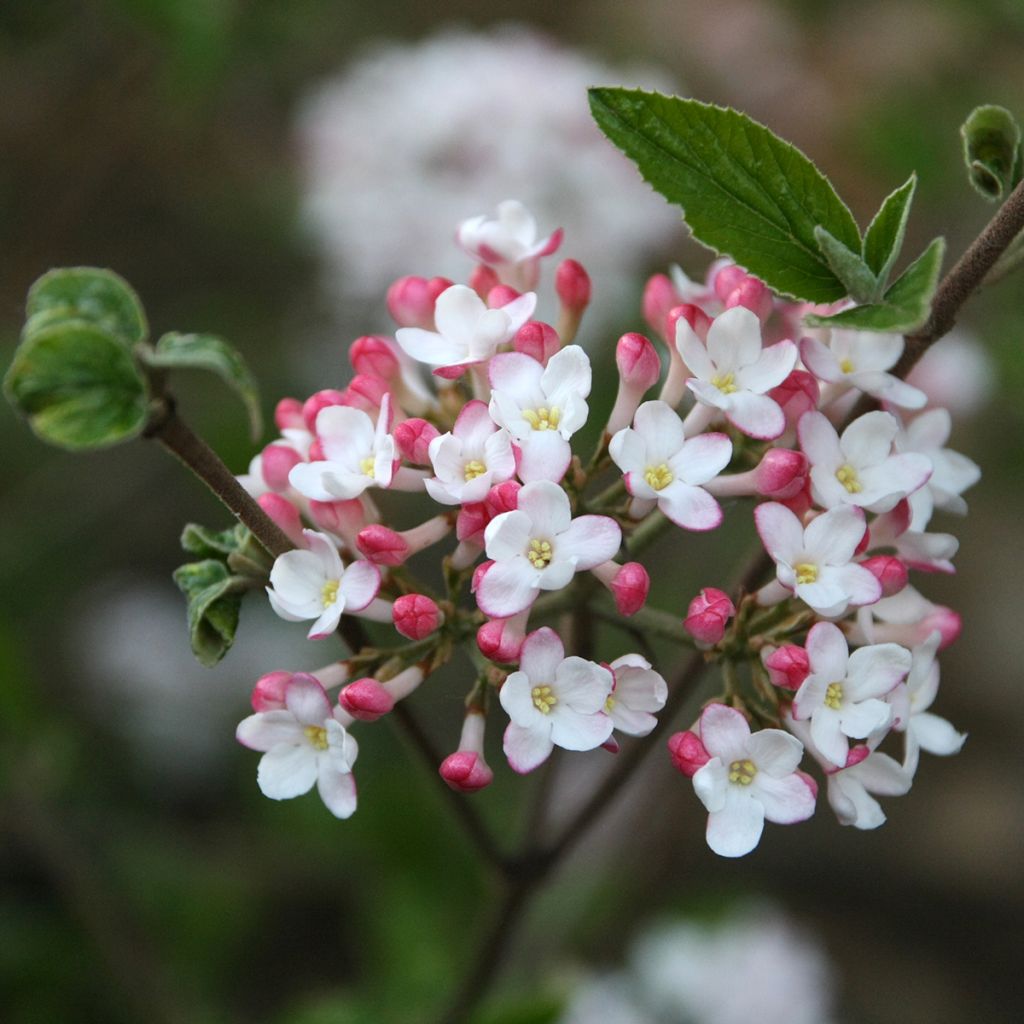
pixel 846 365
pixel 544 699
pixel 847 476
pixel 366 466
pixel 725 382
pixel 609 703
pixel 473 469
pixel 834 696
pixel 317 736
pixel 329 593
pixel 806 572
pixel 542 418
pixel 742 772
pixel 539 553
pixel 658 477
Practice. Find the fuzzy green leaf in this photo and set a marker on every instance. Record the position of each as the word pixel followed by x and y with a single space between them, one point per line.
pixel 97 296
pixel 883 239
pixel 860 283
pixel 904 307
pixel 207 543
pixel 214 600
pixel 992 150
pixel 78 386
pixel 744 191
pixel 206 352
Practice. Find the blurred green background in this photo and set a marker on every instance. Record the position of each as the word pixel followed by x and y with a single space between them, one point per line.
pixel 143 876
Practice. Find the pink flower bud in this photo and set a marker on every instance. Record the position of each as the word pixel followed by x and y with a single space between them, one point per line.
pixel 727 279
pixel 482 280
pixel 693 315
pixel 501 295
pixel 415 616
pixel 268 693
pixel 411 300
pixel 788 666
pixel 478 574
pixel 537 340
pixel 366 393
pixel 946 621
pixel 688 752
pixel 889 571
pixel 466 771
pixel 285 515
pixel 855 755
pixel 316 451
pixel 288 414
pixel 754 295
pixel 797 394
pixel 276 463
pixel 413 439
pixel 707 616
pixel 374 356
pixel 502 639
pixel 344 517
pixel 630 588
pixel 366 699
pixel 572 284
pixel 865 540
pixel 782 473
pixel 475 515
pixel 321 400
pixel 660 297
pixel 638 363
pixel 382 545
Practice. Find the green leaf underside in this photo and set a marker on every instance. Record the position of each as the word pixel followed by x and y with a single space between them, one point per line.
pixel 860 283
pixel 207 543
pixel 78 386
pixel 207 352
pixel 883 239
pixel 906 304
pixel 214 600
pixel 744 191
pixel 992 150
pixel 97 296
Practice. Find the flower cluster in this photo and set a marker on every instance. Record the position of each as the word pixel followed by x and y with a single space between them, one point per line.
pixel 471 411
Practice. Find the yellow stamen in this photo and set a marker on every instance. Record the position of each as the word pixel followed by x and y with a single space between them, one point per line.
pixel 542 418
pixel 317 736
pixel 806 572
pixel 544 699
pixel 539 553
pixel 473 469
pixel 834 696
pixel 847 476
pixel 658 477
pixel 366 466
pixel 742 772
pixel 846 365
pixel 329 593
pixel 609 703
pixel 725 382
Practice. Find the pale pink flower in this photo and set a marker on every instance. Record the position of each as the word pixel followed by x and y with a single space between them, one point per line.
pixel 637 693
pixel 469 460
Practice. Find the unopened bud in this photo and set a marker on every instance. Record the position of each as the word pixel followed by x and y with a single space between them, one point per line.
pixel 285 515
pixel 366 392
pixel 638 363
pixel 411 300
pixel 413 437
pixel 797 394
pixel 788 666
pixel 688 752
pixel 366 699
pixel 416 616
pixel 572 284
pixel 482 280
pixel 382 545
pixel 374 356
pixel 345 517
pixel 946 621
pixel 890 572
pixel 537 340
pixel 466 770
pixel 630 587
pixel 693 315
pixel 268 693
pixel 276 462
pixel 501 295
pixel 288 414
pixel 502 639
pixel 321 400
pixel 782 473
pixel 660 297
pixel 707 616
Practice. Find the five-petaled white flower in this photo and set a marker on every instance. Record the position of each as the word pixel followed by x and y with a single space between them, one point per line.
pixel 859 468
pixel 733 373
pixel 842 694
pixel 509 243
pixel 815 563
pixel 638 692
pixel 469 460
pixel 541 407
pixel 467 331
pixel 661 465
pixel 748 779
pixel 314 584
pixel 539 546
pixel 304 742
pixel 553 701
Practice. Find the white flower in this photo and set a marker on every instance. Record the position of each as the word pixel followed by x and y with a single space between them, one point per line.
pixel 638 692
pixel 859 359
pixel 467 330
pixel 841 695
pixel 314 584
pixel 541 407
pixel 305 743
pixel 553 701
pixel 661 464
pixel 952 473
pixel 859 468
pixel 749 778
pixel 356 455
pixel 932 552
pixel 733 372
pixel 253 482
pixel 470 459
pixel 539 546
pixel 508 244
pixel 815 563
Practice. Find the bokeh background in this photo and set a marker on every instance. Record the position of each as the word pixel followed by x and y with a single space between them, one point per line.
pixel 206 149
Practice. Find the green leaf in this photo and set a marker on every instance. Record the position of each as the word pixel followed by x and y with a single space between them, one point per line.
pixel 207 543
pixel 100 297
pixel 744 191
pixel 992 150
pixel 860 283
pixel 78 386
pixel 883 239
pixel 214 599
pixel 206 352
pixel 904 307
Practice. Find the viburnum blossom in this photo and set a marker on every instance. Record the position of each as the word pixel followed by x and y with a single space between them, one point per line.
pixel 638 692
pixel 470 458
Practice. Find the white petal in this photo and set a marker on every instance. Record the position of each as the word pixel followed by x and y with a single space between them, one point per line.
pixel 572 731
pixel 780 531
pixel 589 540
pixel 567 373
pixel 875 670
pixel 820 360
pixel 517 700
pixel 785 800
pixel 701 458
pixel 833 537
pixel 582 686
pixel 736 829
pixel 734 338
pixel 517 375
pixel 508 534
pixel 526 748
pixel 772 367
pixel 661 430
pixel 307 701
pixel 775 752
pixel 860 720
pixel 828 652
pixel 507 588
pixel 543 455
pixel 868 439
pixel 267 729
pixel 457 312
pixel 541 655
pixel 286 771
pixel 359 585
pixel 692 508
pixel 547 506
pixel 757 416
pixel 692 349
pixel 711 783
pixel 936 735
pixel 724 732
pixel 629 451
pixel 337 790
pixel 819 441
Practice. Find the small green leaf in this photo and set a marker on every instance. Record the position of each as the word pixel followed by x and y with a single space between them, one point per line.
pixel 100 297
pixel 207 543
pixel 214 599
pixel 744 191
pixel 904 307
pixel 78 386
pixel 855 274
pixel 883 239
pixel 992 150
pixel 206 352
